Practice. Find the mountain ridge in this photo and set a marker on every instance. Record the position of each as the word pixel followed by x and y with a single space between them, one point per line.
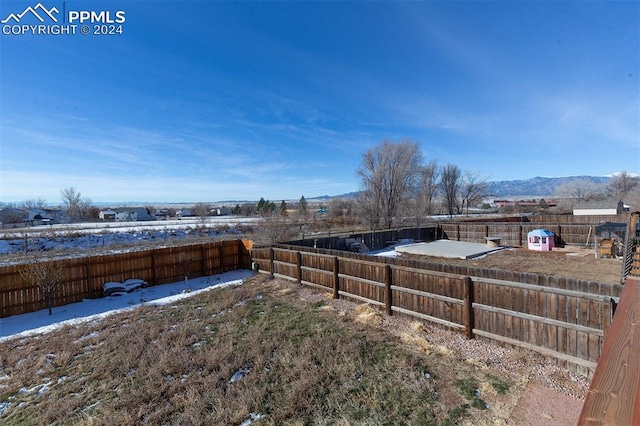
pixel 538 186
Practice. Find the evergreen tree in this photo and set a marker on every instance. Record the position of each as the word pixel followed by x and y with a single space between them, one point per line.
pixel 303 212
pixel 282 210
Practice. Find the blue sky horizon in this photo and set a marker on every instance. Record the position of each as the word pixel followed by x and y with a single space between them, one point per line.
pixel 205 101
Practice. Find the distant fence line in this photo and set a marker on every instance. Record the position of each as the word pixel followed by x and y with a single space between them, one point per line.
pixel 560 318
pixel 516 234
pixel 512 231
pixel 85 276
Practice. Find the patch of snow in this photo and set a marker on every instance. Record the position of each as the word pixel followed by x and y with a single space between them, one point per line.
pixel 238 375
pixel 252 418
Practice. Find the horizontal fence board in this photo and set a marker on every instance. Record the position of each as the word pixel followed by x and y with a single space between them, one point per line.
pixel 428 318
pixel 425 294
pixel 539 319
pixel 360 298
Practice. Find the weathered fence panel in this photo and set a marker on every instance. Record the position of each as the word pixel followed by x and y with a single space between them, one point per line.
pixel 362 280
pixel 438 297
pixel 84 277
pixel 318 269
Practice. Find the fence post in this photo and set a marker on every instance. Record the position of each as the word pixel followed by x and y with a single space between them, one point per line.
pixel 388 301
pixel 559 235
pixel 271 261
pixel 299 266
pixel 468 307
pixel 520 235
pixel 336 277
pixel 458 231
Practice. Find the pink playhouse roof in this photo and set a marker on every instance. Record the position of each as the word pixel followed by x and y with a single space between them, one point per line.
pixel 540 233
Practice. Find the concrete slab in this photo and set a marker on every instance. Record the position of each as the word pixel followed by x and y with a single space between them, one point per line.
pixel 448 248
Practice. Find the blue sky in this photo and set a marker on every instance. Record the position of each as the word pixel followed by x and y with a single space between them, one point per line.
pixel 207 101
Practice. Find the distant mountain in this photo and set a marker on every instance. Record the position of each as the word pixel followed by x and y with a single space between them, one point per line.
pixel 537 186
pixel 328 197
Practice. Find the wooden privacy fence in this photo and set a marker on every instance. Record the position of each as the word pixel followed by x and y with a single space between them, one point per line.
pixel 563 324
pixel 85 276
pixel 511 234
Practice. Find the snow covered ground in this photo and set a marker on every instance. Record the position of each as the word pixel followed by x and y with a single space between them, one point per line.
pixel 110 234
pixel 92 309
pixel 98 227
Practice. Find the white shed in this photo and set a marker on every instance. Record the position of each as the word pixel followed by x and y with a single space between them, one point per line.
pixel 595 208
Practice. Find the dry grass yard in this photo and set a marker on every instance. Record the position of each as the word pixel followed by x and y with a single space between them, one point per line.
pixel 268 351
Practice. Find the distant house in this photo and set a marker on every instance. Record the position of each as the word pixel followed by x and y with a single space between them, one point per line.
pixel 220 211
pixel 185 213
pixel 541 240
pixel 107 215
pixel 595 208
pixel 118 215
pixel 36 217
pixel 144 213
pixel 126 214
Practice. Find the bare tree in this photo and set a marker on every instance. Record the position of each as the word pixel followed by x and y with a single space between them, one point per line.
pixel 47 275
pixel 202 211
pixel 151 210
pixel 93 212
pixel 274 228
pixel 633 197
pixel 581 190
pixel 33 203
pixel 248 209
pixel 9 213
pixel 450 187
pixel 388 174
pixel 77 206
pixel 422 204
pixel 622 184
pixel 340 211
pixel 473 189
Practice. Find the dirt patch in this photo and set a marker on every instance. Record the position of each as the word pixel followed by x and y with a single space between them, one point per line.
pixel 539 405
pixel 567 262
